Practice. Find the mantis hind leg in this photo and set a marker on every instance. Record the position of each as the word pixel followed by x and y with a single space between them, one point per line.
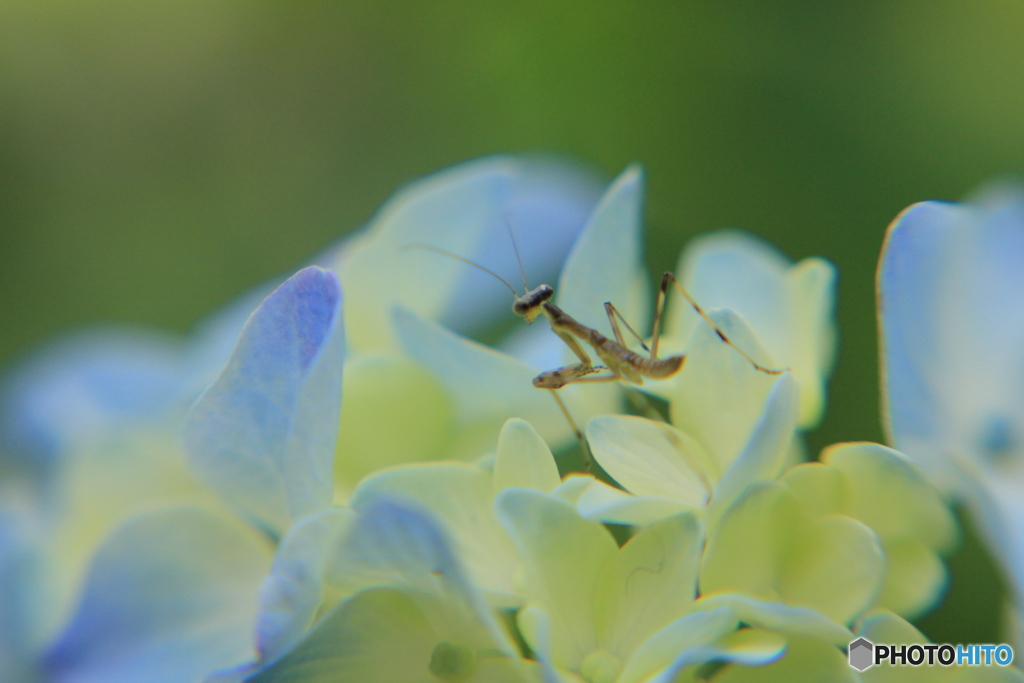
pixel 669 278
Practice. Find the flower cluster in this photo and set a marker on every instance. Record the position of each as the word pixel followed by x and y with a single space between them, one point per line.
pixel 350 486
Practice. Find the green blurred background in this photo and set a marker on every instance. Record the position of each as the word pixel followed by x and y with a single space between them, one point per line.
pixel 158 158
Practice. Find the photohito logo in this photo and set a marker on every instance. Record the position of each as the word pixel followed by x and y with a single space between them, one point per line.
pixel 865 654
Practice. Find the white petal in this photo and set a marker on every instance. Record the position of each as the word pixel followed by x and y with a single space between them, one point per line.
pixel 524 459
pixel 650 583
pixel 461 497
pixel 562 553
pixel 718 397
pixel 606 263
pixel 603 503
pixel 487 387
pixel 764 455
pixel 651 458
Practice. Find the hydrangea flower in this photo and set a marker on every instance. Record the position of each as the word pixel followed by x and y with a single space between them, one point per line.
pixel 951 311
pixel 304 560
pixel 91 433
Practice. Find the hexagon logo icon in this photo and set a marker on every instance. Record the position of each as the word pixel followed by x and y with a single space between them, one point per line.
pixel 861 651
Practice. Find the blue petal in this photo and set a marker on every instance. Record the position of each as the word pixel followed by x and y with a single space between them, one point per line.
pixel 83 385
pixel 170 597
pixel 910 276
pixel 20 572
pixel 264 433
pixel 464 210
pixel 293 590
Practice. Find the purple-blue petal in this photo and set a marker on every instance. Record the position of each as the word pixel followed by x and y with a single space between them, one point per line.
pixel 264 433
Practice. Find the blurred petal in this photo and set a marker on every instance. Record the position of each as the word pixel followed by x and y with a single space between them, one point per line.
pixel 689 632
pixel 291 593
pixel 915 578
pixel 76 389
pixel 892 495
pixel 133 469
pixel 767 546
pixel 822 490
pixel 789 306
pixel 651 458
pixel 397 544
pixel 20 574
pixel 603 503
pixel 776 616
pixel 524 459
pixel 383 390
pixel 379 635
pixel 746 647
pixel 485 386
pixel 648 584
pixel 718 397
pixel 763 458
pixel 461 497
pixel 562 553
pixel 264 433
pixel 606 263
pixel 953 369
pixel 805 659
pixel 171 596
pixel 464 210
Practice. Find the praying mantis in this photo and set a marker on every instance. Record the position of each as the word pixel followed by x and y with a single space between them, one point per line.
pixel 619 362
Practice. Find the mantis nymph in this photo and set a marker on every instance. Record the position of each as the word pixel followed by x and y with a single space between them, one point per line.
pixel 620 362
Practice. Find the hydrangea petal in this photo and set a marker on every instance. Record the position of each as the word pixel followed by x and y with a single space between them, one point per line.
pixel 746 647
pixel 460 496
pixel 379 636
pixel 606 263
pixel 382 390
pixel 766 545
pixel 170 596
pixel 397 543
pixel 822 490
pixel 718 397
pixel 20 595
pixel 133 470
pixel 75 389
pixel 805 659
pixel 561 551
pixel 688 632
pixel 464 210
pixel 776 616
pixel 485 386
pixel 650 458
pixel 524 459
pixel 264 433
pixel 836 567
pixel 915 578
pixel 649 583
pixel 764 455
pixel 291 593
pixel 603 503
pixel 912 275
pixel 788 306
pixel 892 495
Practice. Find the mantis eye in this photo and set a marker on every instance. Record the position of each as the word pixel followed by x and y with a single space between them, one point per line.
pixel 520 307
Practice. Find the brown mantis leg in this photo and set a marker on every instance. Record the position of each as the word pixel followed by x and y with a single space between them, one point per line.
pixel 670 278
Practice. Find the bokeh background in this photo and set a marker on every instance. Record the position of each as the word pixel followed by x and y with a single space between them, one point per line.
pixel 159 158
